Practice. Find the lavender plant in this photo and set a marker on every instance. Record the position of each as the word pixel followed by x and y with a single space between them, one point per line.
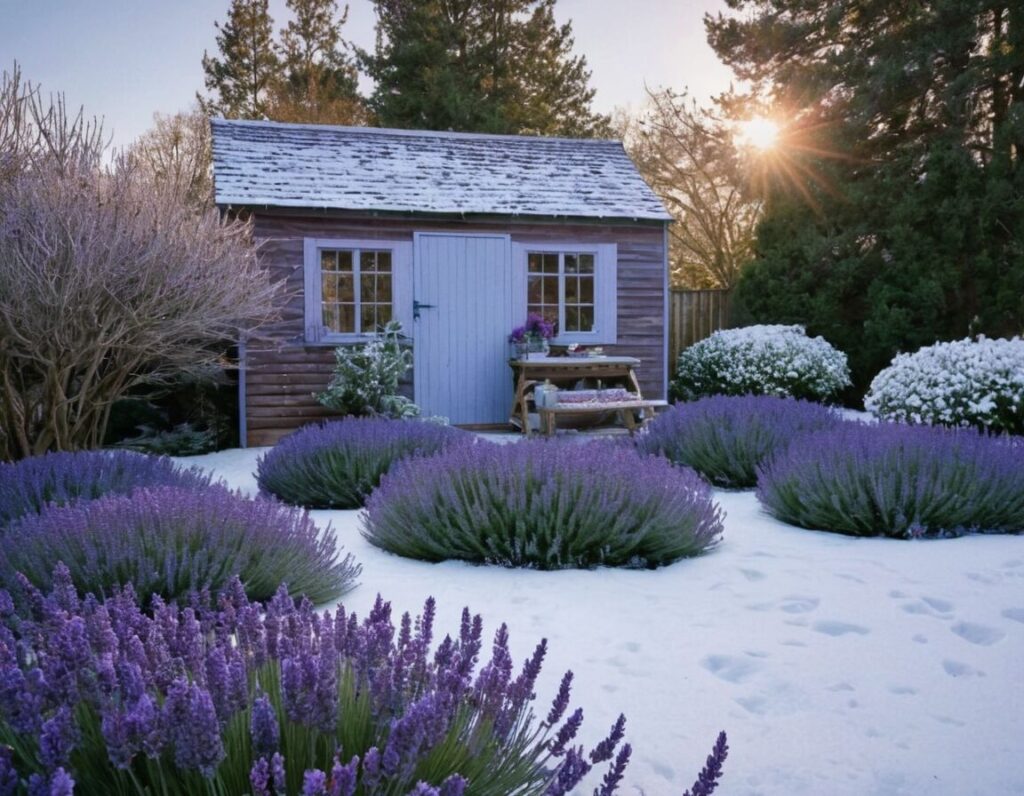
pixel 235 697
pixel 29 485
pixel 761 360
pixel 896 480
pixel 170 541
pixel 337 464
pixel 726 438
pixel 543 504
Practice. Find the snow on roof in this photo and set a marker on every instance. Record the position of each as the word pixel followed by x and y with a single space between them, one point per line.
pixel 365 168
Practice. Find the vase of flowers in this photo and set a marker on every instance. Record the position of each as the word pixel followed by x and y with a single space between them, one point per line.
pixel 531 340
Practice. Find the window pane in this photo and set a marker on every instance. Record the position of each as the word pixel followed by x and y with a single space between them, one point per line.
pixel 368 293
pixel 570 264
pixel 534 261
pixel 384 288
pixel 383 313
pixel 571 290
pixel 367 261
pixel 329 285
pixel 586 263
pixel 328 260
pixel 550 290
pixel 586 321
pixel 330 317
pixel 346 291
pixel 572 319
pixel 533 289
pixel 550 264
pixel 345 260
pixel 586 291
pixel 347 322
pixel 384 260
pixel 369 319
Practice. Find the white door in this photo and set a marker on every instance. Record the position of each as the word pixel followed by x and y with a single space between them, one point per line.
pixel 463 288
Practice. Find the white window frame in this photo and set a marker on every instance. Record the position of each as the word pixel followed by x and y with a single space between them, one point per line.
pixel 401 286
pixel 605 255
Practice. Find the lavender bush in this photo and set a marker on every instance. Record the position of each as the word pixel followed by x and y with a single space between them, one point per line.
pixel 896 480
pixel 30 484
pixel 336 465
pixel 543 504
pixel 241 698
pixel 726 438
pixel 171 541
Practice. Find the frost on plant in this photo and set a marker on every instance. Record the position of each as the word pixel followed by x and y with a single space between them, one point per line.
pixel 761 360
pixel 976 383
pixel 366 377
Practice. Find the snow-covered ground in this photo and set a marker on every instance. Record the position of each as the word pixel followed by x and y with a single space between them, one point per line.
pixel 836 665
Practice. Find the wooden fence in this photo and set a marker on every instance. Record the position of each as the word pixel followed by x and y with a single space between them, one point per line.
pixel 694 315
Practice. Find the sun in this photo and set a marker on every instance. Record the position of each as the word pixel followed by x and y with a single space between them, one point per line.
pixel 758 133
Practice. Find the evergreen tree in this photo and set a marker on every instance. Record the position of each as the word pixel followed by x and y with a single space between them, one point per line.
pixel 242 79
pixel 319 82
pixel 502 66
pixel 897 216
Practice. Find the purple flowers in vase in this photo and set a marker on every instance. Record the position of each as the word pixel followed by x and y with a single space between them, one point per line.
pixel 532 337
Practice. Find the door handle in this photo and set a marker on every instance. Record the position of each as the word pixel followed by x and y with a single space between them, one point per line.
pixel 417 306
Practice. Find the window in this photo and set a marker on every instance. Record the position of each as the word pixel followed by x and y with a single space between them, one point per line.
pixel 351 288
pixel 573 287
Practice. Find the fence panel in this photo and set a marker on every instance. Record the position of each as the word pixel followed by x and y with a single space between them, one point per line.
pixel 694 315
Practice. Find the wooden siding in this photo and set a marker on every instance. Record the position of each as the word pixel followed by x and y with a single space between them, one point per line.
pixel 283 372
pixel 694 315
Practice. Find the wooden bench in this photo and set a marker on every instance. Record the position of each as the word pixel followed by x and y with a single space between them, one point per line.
pixel 549 414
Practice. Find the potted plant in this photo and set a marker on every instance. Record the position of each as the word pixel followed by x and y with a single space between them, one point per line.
pixel 530 341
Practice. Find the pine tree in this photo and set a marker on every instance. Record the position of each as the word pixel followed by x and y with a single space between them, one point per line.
pixel 241 80
pixel 898 216
pixel 501 66
pixel 319 82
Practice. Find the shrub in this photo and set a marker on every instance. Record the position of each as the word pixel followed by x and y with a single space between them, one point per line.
pixel 761 360
pixel 543 504
pixel 171 541
pixel 247 699
pixel 366 377
pixel 897 480
pixel 182 440
pixel 336 465
pixel 29 485
pixel 963 383
pixel 726 438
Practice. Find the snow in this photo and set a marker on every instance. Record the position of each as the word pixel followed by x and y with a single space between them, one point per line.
pixel 360 168
pixel 836 665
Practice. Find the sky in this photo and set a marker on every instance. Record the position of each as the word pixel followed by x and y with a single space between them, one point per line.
pixel 125 60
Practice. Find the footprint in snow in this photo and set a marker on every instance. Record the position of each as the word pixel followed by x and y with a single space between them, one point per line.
pixel 730 668
pixel 958 669
pixel 981 635
pixel 942 606
pixel 752 574
pixel 1016 614
pixel 796 604
pixel 902 690
pixel 836 628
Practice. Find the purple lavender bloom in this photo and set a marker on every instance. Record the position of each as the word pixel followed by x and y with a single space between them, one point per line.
pixel 259 777
pixel 8 775
pixel 574 768
pixel 372 768
pixel 561 701
pixel 566 733
pixel 314 783
pixel 604 750
pixel 30 485
pixel 726 438
pixel 611 780
pixel 193 728
pixel 455 785
pixel 277 772
pixel 344 777
pixel 507 505
pixel 894 480
pixel 61 783
pixel 263 727
pixel 172 540
pixel 423 789
pixel 708 778
pixel 337 464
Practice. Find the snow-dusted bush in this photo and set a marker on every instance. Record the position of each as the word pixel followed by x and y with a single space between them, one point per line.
pixel 964 383
pixel 543 504
pixel 891 479
pixel 761 360
pixel 726 437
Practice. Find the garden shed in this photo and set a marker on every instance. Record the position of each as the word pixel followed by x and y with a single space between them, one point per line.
pixel 456 235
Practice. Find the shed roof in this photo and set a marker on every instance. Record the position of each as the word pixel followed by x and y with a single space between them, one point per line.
pixel 373 169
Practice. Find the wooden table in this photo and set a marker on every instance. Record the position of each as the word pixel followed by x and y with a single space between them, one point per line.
pixel 530 372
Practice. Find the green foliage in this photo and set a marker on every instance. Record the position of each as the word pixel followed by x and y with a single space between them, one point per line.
pixel 241 79
pixel 896 216
pixel 366 377
pixel 500 66
pixel 182 440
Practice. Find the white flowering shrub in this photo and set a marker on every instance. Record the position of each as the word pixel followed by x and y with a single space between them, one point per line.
pixel 761 360
pixel 366 377
pixel 976 383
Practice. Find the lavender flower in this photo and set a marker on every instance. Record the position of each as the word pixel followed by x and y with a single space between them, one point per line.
pixel 344 777
pixel 337 464
pixel 277 773
pixel 511 505
pixel 708 778
pixel 259 777
pixel 894 480
pixel 314 783
pixel 8 775
pixel 263 727
pixel 61 783
pixel 566 733
pixel 611 780
pixel 193 728
pixel 726 438
pixel 604 750
pixel 170 541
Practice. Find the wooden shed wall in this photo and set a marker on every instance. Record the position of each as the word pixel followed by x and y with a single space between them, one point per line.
pixel 282 372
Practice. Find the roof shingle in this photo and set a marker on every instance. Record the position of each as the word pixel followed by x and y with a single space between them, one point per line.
pixel 365 168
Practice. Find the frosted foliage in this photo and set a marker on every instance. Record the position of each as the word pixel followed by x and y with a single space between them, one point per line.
pixel 762 360
pixel 962 383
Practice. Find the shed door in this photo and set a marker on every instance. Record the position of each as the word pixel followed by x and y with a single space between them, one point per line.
pixel 461 368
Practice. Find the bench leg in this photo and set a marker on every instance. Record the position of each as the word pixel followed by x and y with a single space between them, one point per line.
pixel 628 420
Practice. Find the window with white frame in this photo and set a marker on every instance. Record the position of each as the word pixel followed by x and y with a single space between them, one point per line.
pixel 573 288
pixel 350 287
